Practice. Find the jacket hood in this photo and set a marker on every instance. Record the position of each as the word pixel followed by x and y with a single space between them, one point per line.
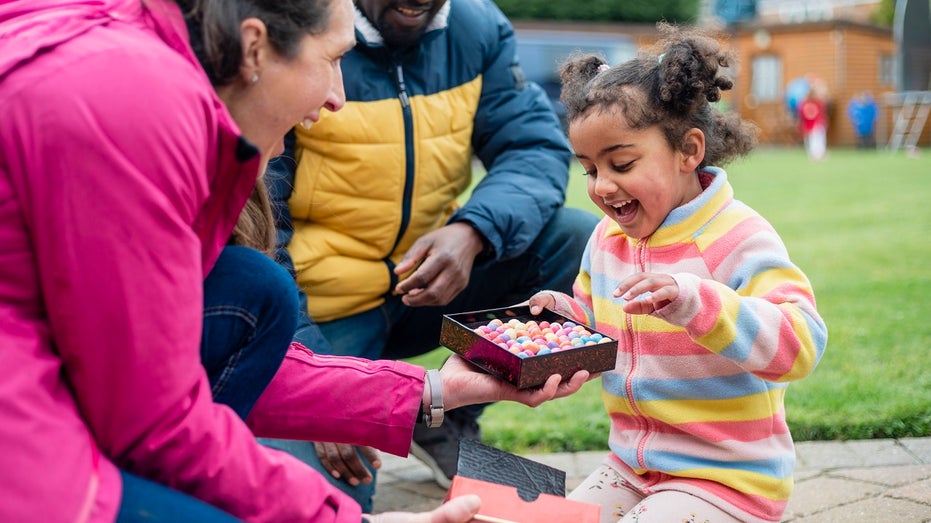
pixel 30 27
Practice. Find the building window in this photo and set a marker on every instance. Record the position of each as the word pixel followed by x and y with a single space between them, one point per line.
pixel 766 80
pixel 886 69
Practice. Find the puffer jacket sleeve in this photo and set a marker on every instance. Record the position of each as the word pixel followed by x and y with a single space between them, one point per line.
pixel 518 138
pixel 279 178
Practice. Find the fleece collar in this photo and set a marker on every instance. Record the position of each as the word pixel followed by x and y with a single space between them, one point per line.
pixel 371 36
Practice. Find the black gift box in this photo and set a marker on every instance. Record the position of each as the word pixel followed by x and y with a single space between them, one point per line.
pixel 457 333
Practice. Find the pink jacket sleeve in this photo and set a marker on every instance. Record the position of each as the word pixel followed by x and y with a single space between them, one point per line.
pixel 338 398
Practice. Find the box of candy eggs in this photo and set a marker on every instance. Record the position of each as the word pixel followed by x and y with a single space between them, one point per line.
pixel 525 349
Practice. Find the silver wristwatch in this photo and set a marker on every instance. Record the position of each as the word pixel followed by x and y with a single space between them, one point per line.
pixel 434 412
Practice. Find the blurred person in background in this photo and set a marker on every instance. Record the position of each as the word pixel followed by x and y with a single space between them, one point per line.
pixel 862 112
pixel 813 121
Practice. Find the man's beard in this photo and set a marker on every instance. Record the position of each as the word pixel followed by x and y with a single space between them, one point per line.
pixel 400 37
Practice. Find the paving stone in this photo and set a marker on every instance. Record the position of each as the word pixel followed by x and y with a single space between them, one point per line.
pixel 919 492
pixel 919 447
pixel 817 494
pixel 870 511
pixel 823 454
pixel 891 476
pixel 408 496
pixel 805 474
pixel 879 452
pixel 406 469
pixel 837 454
pixel 560 461
pixel 587 462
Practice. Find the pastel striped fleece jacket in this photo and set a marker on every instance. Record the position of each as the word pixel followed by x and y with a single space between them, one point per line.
pixel 696 399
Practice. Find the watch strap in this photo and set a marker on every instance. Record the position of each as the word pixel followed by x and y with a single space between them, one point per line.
pixel 434 412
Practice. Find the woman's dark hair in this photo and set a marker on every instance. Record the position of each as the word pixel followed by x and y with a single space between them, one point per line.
pixel 214 29
pixel 213 26
pixel 671 85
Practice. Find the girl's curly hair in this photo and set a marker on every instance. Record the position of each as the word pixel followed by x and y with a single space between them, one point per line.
pixel 672 84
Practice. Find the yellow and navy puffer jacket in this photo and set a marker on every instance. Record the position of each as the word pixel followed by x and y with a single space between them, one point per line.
pixel 365 182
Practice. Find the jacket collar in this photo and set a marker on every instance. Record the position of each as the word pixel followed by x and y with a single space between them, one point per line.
pixel 371 37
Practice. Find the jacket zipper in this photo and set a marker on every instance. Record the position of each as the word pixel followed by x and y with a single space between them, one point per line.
pixel 629 383
pixel 409 163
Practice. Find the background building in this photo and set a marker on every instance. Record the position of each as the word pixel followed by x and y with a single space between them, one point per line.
pixel 846 57
pixel 780 45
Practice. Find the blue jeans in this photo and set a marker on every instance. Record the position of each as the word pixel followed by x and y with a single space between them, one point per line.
pixel 250 313
pixel 146 501
pixel 396 331
pixel 304 451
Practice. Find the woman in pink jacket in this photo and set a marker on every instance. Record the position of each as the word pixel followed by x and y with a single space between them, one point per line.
pixel 122 174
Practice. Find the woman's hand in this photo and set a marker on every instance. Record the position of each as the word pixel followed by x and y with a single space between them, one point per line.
pixel 456 510
pixel 465 384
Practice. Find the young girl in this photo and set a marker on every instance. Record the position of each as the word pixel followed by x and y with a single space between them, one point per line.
pixel 712 318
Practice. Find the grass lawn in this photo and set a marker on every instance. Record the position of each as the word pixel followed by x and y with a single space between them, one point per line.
pixel 859 225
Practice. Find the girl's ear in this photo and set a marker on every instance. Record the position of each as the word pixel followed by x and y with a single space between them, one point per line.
pixel 254 36
pixel 692 150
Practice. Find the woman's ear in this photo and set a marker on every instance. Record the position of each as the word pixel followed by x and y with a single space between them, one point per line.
pixel 692 150
pixel 254 36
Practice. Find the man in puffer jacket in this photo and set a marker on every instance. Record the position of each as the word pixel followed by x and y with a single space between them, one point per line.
pixel 372 217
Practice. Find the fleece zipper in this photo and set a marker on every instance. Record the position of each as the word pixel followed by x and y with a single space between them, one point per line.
pixel 634 362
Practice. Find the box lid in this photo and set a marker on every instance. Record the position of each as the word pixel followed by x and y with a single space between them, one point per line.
pixel 530 478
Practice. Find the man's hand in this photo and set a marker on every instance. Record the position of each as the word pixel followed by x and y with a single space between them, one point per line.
pixel 344 461
pixel 445 258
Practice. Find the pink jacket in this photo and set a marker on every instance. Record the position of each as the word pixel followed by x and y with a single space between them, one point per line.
pixel 121 176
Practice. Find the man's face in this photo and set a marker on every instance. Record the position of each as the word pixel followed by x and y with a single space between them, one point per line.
pixel 400 22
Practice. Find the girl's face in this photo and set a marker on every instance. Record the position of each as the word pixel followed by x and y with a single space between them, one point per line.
pixel 634 176
pixel 293 90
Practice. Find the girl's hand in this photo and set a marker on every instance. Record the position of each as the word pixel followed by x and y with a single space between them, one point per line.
pixel 541 300
pixel 647 292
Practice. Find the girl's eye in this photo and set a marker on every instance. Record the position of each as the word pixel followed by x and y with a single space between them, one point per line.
pixel 624 167
pixel 591 172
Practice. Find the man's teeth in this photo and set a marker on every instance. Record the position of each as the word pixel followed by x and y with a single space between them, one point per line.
pixel 406 11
